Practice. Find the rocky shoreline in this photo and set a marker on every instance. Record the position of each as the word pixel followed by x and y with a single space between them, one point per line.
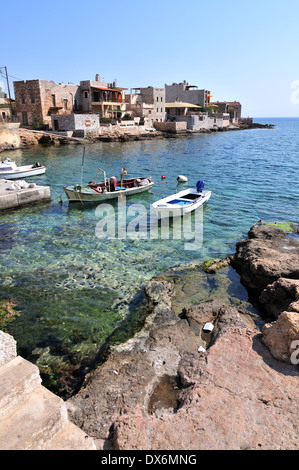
pixel 202 373
pixel 29 138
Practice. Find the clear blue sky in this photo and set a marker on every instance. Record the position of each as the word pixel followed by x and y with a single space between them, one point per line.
pixel 245 51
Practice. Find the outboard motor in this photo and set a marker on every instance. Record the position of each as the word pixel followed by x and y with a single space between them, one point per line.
pixel 113 183
pixel 36 165
pixel 199 186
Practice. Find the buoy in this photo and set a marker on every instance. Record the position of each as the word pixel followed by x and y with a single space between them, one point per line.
pixel 182 178
pixel 163 177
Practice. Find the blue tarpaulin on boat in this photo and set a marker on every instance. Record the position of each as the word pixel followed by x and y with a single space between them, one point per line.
pixel 200 185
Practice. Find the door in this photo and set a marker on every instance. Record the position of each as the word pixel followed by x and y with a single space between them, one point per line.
pixel 24 118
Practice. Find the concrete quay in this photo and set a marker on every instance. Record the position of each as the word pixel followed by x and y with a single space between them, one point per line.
pixel 16 198
pixel 31 417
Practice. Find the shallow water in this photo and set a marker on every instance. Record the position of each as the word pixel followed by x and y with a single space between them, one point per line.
pixel 73 289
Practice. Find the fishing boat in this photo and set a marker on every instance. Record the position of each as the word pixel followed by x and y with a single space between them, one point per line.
pixel 108 188
pixel 10 171
pixel 183 202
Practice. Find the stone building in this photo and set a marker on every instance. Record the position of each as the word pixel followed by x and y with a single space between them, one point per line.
pixel 39 99
pixel 147 103
pixel 7 107
pixel 105 99
pixel 234 108
pixel 187 94
pixel 78 125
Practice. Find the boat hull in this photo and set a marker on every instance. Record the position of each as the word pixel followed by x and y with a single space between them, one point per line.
pixel 22 173
pixel 89 195
pixel 179 204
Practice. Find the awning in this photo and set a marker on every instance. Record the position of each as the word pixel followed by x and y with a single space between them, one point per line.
pixel 105 89
pixel 179 104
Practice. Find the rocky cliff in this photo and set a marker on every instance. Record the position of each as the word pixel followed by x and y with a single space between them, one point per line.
pixel 202 375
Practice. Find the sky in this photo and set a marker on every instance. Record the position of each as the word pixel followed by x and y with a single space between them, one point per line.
pixel 243 51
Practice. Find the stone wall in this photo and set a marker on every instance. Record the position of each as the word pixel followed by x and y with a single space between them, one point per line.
pixel 85 123
pixel 9 135
pixel 171 126
pixel 195 122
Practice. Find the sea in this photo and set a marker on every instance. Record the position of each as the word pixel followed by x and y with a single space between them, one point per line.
pixel 69 281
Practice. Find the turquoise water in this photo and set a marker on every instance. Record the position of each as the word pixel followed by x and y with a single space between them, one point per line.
pixel 73 289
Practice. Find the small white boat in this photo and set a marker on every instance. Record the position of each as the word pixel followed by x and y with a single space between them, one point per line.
pixel 109 188
pixel 181 203
pixel 10 171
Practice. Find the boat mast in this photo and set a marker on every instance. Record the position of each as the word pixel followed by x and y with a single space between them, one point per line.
pixel 82 165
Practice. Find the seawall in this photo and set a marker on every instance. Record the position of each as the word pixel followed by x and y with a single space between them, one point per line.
pixel 9 136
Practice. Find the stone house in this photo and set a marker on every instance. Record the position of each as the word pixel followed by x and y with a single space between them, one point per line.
pixel 147 103
pixel 7 109
pixel 187 93
pixel 39 99
pixel 6 106
pixel 105 99
pixel 234 108
pixel 76 125
pixel 194 119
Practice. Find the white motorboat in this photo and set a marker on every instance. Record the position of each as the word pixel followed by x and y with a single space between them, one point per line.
pixel 109 188
pixel 10 171
pixel 182 203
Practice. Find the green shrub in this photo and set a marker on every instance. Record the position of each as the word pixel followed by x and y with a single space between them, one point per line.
pixel 38 124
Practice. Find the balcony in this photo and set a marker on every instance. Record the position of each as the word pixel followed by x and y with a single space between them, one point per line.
pixel 107 102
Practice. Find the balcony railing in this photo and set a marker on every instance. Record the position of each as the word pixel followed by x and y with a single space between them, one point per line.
pixel 114 101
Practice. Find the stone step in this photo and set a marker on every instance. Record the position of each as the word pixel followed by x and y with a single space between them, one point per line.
pixel 18 379
pixel 70 437
pixel 34 422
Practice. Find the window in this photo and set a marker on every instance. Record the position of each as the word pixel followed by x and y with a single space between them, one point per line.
pixel 53 100
pixel 32 99
pixel 161 98
pixel 85 94
pixel 23 99
pixel 157 98
pixel 157 110
pixel 161 110
pixel 65 104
